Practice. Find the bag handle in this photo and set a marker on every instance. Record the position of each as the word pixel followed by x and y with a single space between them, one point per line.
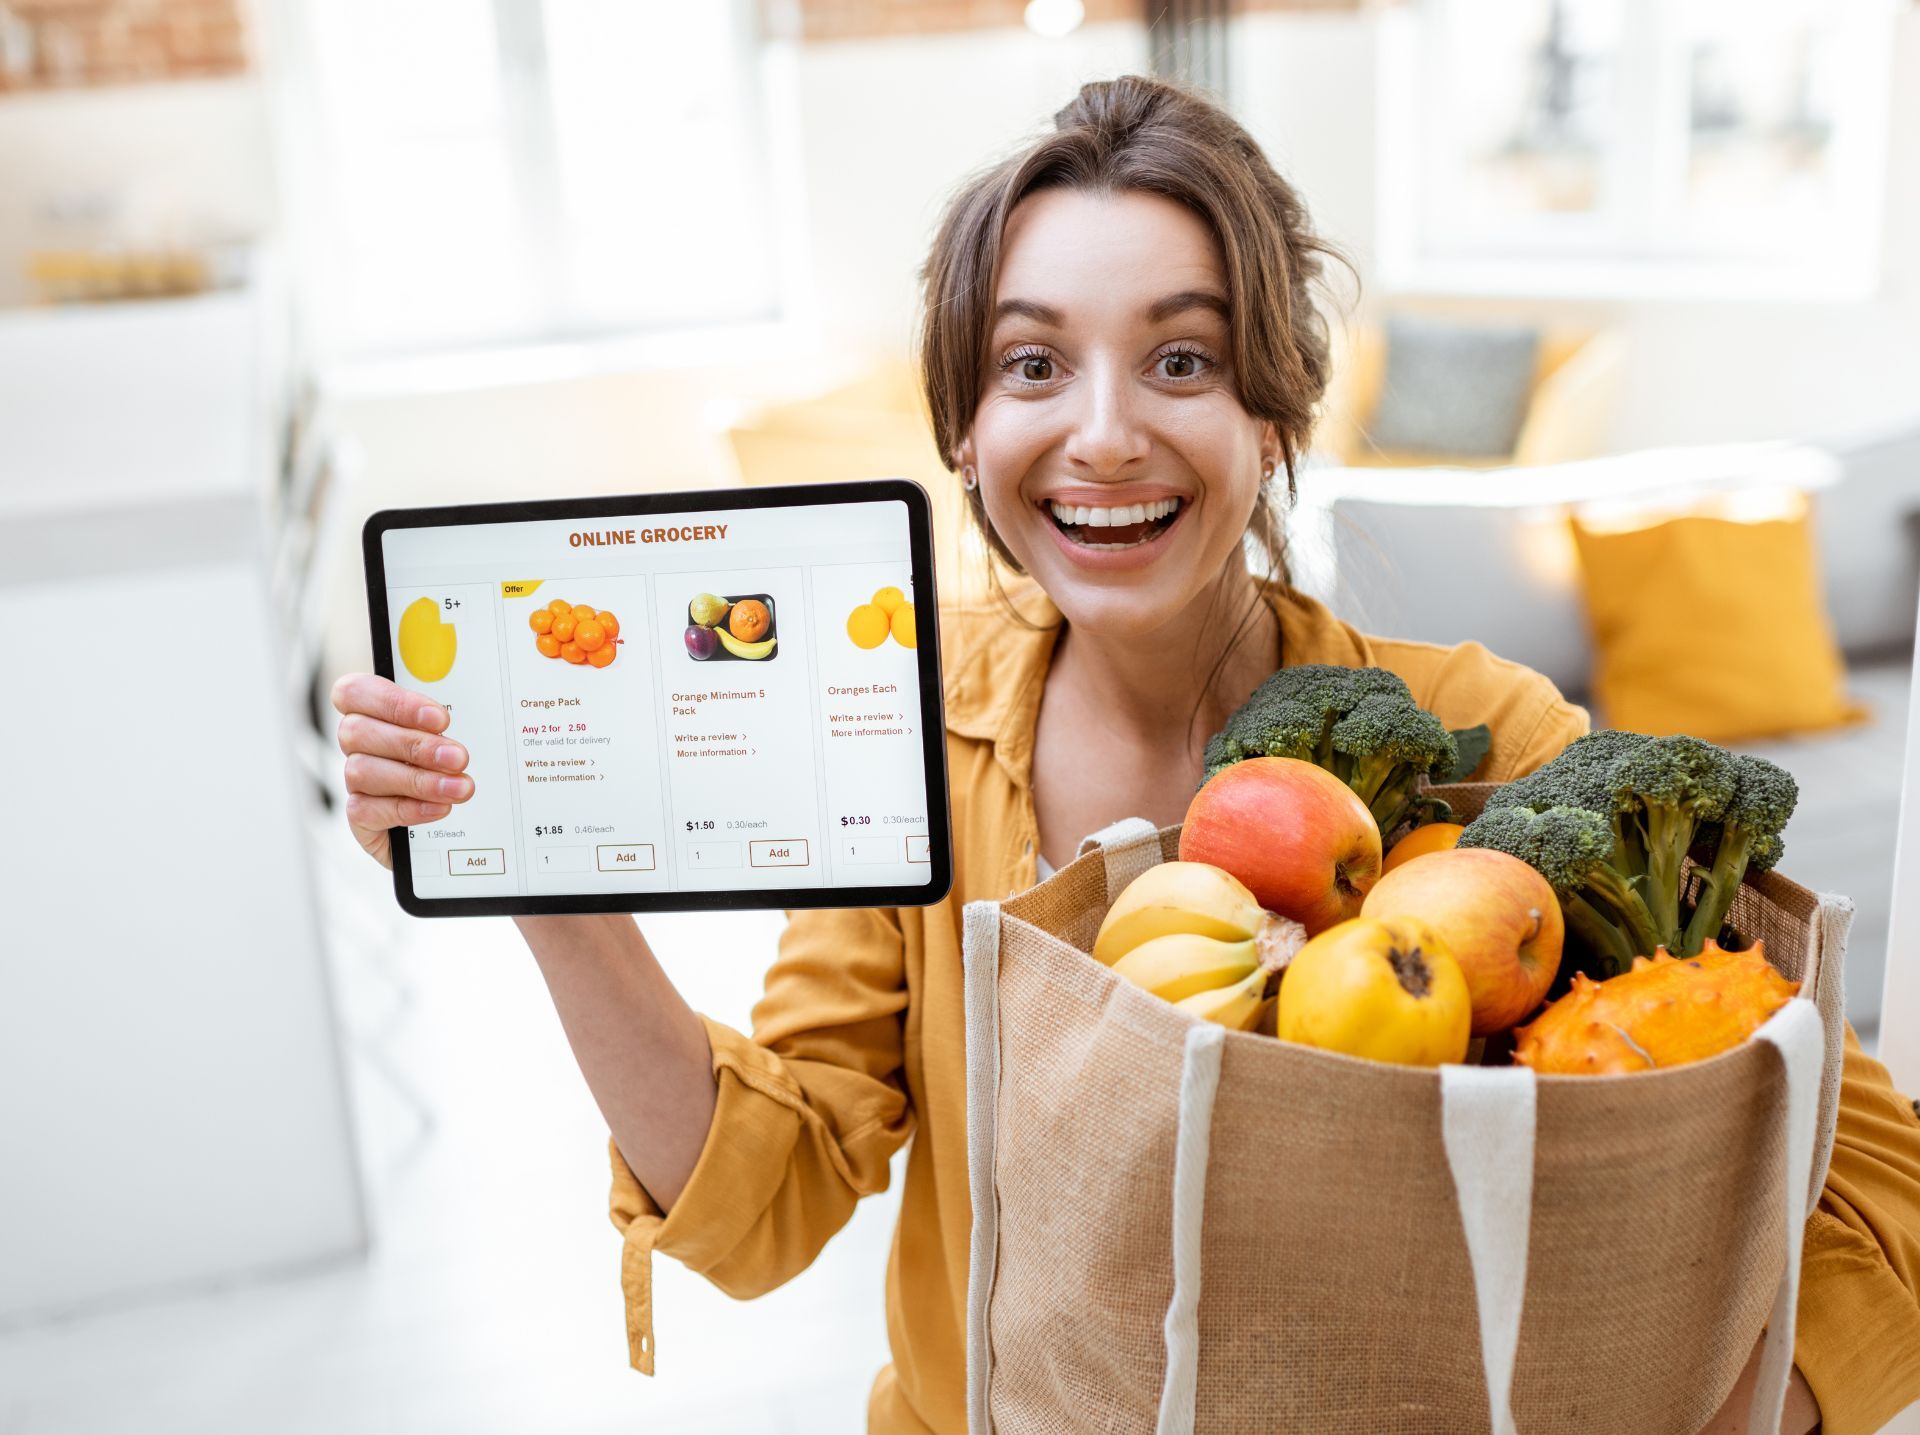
pixel 1131 846
pixel 1193 1140
pixel 1797 1033
pixel 1487 1123
pixel 980 956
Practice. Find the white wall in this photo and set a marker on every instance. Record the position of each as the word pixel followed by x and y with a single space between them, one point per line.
pixel 889 128
pixel 180 162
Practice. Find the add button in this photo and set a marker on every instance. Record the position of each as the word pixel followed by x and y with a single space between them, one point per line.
pixel 780 852
pixel 476 861
pixel 637 857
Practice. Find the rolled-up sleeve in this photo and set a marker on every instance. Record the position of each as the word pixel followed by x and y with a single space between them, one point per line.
pixel 1858 1337
pixel 809 1112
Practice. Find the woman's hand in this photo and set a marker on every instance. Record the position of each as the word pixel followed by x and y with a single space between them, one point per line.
pixel 400 770
pixel 1800 1416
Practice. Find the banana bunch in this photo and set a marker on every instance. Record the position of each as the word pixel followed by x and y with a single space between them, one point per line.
pixel 1193 935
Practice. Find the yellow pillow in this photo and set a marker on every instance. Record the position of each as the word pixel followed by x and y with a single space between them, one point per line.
pixel 1711 625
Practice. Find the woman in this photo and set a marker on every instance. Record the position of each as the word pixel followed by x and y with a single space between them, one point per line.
pixel 1121 348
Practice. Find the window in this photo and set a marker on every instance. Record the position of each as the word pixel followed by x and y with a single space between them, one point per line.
pixel 1632 145
pixel 485 171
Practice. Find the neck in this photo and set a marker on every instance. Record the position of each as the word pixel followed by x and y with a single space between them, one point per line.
pixel 1227 640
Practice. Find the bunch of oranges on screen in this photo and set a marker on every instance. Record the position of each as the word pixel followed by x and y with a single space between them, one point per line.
pixel 889 613
pixel 575 633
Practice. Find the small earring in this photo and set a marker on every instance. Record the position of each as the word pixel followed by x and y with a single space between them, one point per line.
pixel 1266 473
pixel 967 479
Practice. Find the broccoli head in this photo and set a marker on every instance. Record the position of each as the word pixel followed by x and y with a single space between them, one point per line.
pixel 1745 839
pixel 1661 799
pixel 1573 848
pixel 1361 724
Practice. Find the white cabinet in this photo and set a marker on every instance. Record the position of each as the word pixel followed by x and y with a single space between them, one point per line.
pixel 172 1109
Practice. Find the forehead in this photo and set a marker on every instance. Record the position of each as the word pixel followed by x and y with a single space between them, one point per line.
pixel 1063 243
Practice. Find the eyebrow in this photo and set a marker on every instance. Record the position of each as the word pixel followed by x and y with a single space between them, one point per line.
pixel 1188 299
pixel 1160 309
pixel 1028 309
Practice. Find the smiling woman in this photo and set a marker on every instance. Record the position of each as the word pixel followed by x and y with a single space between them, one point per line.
pixel 1120 349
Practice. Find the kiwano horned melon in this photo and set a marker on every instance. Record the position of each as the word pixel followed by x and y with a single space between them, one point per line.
pixel 1665 1012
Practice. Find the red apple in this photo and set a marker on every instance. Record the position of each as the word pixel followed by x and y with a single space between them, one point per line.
pixel 1499 917
pixel 1299 838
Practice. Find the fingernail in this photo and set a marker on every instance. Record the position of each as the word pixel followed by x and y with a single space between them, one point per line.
pixel 447 755
pixel 452 786
pixel 434 718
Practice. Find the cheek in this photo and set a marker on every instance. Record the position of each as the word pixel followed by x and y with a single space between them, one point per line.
pixel 1009 438
pixel 1011 442
pixel 1219 446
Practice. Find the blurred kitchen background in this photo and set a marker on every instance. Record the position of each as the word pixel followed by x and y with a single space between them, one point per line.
pixel 274 1156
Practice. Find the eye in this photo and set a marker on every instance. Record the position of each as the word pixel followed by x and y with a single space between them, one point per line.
pixel 1183 365
pixel 1032 368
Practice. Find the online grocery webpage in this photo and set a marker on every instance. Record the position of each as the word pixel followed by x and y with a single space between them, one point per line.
pixel 669 703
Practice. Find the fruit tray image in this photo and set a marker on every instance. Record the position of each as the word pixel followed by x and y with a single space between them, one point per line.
pixel 739 627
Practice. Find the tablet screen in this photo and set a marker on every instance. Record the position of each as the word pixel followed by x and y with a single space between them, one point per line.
pixel 683 703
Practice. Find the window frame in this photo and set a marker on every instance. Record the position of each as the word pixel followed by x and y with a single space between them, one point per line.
pixel 1636 244
pixel 558 316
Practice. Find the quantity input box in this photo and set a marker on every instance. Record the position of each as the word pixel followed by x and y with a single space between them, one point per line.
pixel 779 852
pixel 708 856
pixel 919 850
pixel 865 851
pixel 476 861
pixel 560 859
pixel 634 857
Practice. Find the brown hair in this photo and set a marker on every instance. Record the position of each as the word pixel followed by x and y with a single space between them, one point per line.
pixel 1137 133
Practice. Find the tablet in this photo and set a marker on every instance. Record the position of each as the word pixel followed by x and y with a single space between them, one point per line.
pixel 673 701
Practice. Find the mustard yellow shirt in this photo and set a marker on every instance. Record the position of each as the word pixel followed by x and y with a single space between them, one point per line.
pixel 858 1045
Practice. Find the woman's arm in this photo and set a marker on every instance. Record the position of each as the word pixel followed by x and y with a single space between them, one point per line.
pixel 642 1049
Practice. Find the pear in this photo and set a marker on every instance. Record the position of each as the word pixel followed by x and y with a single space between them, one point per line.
pixel 708 609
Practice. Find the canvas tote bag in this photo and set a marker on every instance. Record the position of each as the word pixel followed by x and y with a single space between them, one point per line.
pixel 1181 1228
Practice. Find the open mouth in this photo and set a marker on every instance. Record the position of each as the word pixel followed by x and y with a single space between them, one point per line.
pixel 1110 529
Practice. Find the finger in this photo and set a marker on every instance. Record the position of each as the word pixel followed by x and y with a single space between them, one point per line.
pixel 382 698
pixel 360 733
pixel 377 814
pixel 383 777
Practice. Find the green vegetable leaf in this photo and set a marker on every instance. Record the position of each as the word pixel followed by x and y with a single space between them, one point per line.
pixel 1474 743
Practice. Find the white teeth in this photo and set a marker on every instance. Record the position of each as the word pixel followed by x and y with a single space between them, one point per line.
pixel 1082 515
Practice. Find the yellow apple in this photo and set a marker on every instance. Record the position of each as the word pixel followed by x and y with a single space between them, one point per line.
pixel 1382 988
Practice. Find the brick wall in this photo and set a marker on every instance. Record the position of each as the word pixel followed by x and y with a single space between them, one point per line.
pixel 860 19
pixel 54 43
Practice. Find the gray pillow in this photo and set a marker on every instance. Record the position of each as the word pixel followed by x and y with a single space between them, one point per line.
pixel 1454 388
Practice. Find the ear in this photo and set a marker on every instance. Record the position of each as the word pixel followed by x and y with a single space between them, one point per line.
pixel 1270 450
pixel 963 454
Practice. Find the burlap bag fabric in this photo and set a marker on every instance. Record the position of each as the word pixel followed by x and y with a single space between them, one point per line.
pixel 1181 1228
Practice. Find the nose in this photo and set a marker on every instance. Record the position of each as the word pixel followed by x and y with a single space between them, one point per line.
pixel 1107 434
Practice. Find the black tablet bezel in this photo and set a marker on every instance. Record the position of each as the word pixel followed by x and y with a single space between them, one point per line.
pixel 932 710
